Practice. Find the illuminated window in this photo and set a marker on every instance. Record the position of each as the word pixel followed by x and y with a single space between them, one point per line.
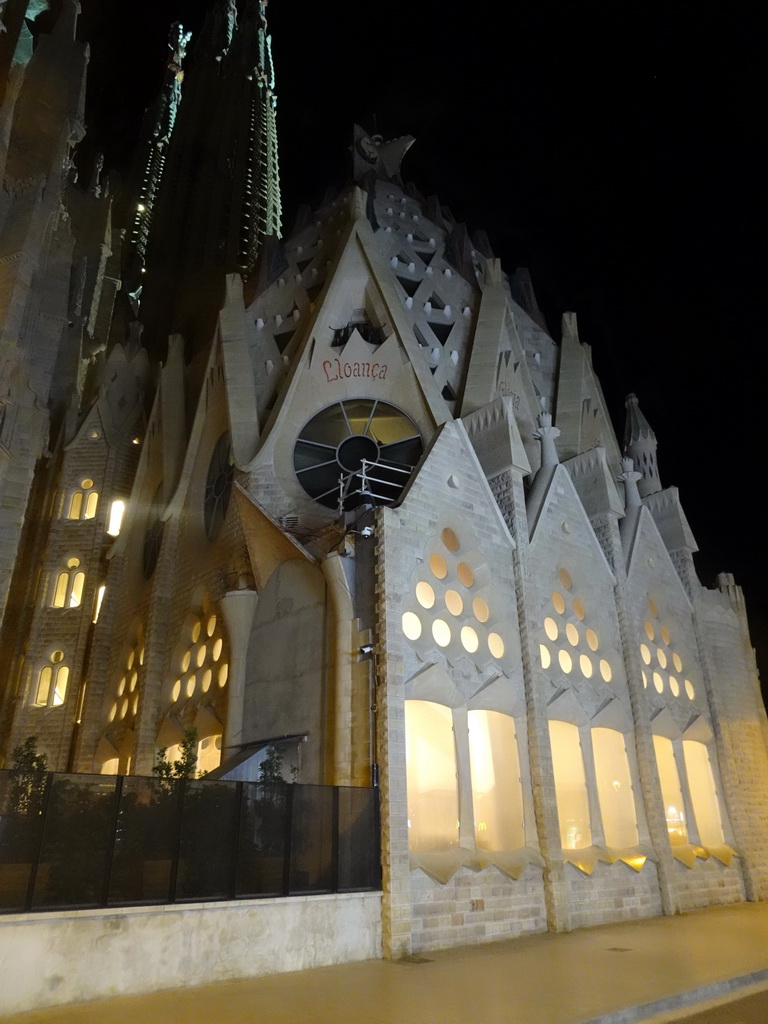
pixel 208 754
pixel 200 657
pixel 52 680
pixel 430 755
pixel 671 792
pixel 570 786
pixel 701 784
pixel 83 503
pixel 68 586
pixel 497 795
pixel 115 520
pixel 614 788
pixel 98 602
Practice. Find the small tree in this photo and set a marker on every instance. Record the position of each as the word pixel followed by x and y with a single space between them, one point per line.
pixel 25 757
pixel 29 768
pixel 271 768
pixel 184 766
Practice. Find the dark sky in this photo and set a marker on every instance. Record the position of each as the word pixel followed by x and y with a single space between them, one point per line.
pixel 618 150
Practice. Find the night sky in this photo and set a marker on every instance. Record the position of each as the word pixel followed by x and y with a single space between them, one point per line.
pixel 616 150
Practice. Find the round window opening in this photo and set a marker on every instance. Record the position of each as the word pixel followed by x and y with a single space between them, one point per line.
pixel 357 452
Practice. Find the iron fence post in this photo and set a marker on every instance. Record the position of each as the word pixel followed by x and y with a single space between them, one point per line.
pixel 38 853
pixel 111 841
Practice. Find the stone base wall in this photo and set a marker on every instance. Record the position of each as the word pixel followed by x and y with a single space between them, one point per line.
pixel 58 958
pixel 475 907
pixel 708 883
pixel 613 892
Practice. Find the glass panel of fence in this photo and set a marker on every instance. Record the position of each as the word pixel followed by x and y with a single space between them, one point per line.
pixel 262 839
pixel 358 845
pixel 21 807
pixel 145 841
pixel 207 843
pixel 312 867
pixel 77 838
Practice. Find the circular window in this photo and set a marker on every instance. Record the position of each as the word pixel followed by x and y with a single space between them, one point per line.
pixel 469 639
pixel 495 645
pixel 425 595
pixel 677 662
pixel 481 609
pixel 439 566
pixel 566 663
pixel 218 487
pixel 546 658
pixel 361 451
pixel 689 689
pixel 465 574
pixel 453 602
pixel 550 628
pixel 586 666
pixel 645 653
pixel 605 671
pixel 558 603
pixel 450 539
pixel 658 682
pixel 674 686
pixel 412 625
pixel 441 631
pixel 573 634
pixel 665 635
pixel 565 579
pixel 578 609
pixel 592 640
pixel 662 657
pixel 649 630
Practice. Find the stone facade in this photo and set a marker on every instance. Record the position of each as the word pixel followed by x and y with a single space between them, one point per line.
pixel 378 520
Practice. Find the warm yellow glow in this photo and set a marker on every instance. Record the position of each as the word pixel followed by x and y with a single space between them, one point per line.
pixel 585 665
pixel 606 671
pixel 191 682
pixel 565 579
pixel 425 595
pixel 497 795
pixel 701 783
pixel 186 658
pixel 558 602
pixel 450 539
pixel 645 680
pixel 206 680
pixel 614 788
pixel 481 610
pixel 649 630
pixel 86 484
pixel 670 790
pixel 592 640
pixel 223 673
pixel 218 644
pixel 645 653
pixel 91 504
pixel 662 657
pixel 195 631
pixel 665 635
pixel 112 713
pixel 134 681
pixel 202 651
pixel 546 658
pixel 208 753
pixel 430 757
pixel 111 766
pixel 121 687
pixel 44 685
pixel 570 786
pixel 454 602
pixel 653 609
pixel 76 505
pixel 115 520
pixel 674 686
pixel 60 591
pixel 176 691
pixel 441 632
pixel 465 574
pixel 566 662
pixel 677 662
pixel 469 640
pixel 689 689
pixel 578 609
pixel 210 625
pixel 658 682
pixel 60 687
pixel 495 645
pixel 550 628
pixel 439 566
pixel 76 593
pixel 573 634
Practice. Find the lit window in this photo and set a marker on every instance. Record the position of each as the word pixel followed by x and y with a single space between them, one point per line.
pixel 671 792
pixel 701 782
pixel 115 521
pixel 68 586
pixel 83 502
pixel 430 755
pixel 99 599
pixel 208 754
pixel 614 788
pixel 570 786
pixel 497 795
pixel 52 680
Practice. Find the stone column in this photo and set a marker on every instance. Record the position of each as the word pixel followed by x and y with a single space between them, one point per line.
pixel 238 608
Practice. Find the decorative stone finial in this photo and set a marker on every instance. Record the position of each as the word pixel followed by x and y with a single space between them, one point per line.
pixel 640 444
pixel 546 433
pixel 630 477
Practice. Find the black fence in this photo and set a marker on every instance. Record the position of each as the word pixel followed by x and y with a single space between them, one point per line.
pixel 80 841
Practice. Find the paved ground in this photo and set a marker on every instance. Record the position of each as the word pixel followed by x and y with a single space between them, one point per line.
pixel 617 974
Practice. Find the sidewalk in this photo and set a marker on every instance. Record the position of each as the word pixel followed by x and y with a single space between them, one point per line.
pixel 615 974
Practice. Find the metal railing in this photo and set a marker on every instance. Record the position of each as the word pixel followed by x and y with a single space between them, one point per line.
pixel 84 841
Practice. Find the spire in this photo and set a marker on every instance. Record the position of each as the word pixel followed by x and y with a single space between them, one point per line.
pixel 640 445
pixel 219 29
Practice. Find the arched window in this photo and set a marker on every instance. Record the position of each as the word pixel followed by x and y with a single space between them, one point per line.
pixel 83 503
pixel 701 784
pixel 614 788
pixel 52 680
pixel 671 791
pixel 430 756
pixel 497 794
pixel 68 586
pixel 570 786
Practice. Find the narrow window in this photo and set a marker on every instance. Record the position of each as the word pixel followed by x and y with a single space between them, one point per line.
pixel 60 689
pixel 60 590
pixel 614 788
pixel 701 781
pixel 44 685
pixel 76 594
pixel 76 505
pixel 497 794
pixel 116 512
pixel 98 602
pixel 430 755
pixel 671 792
pixel 570 786
pixel 91 503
